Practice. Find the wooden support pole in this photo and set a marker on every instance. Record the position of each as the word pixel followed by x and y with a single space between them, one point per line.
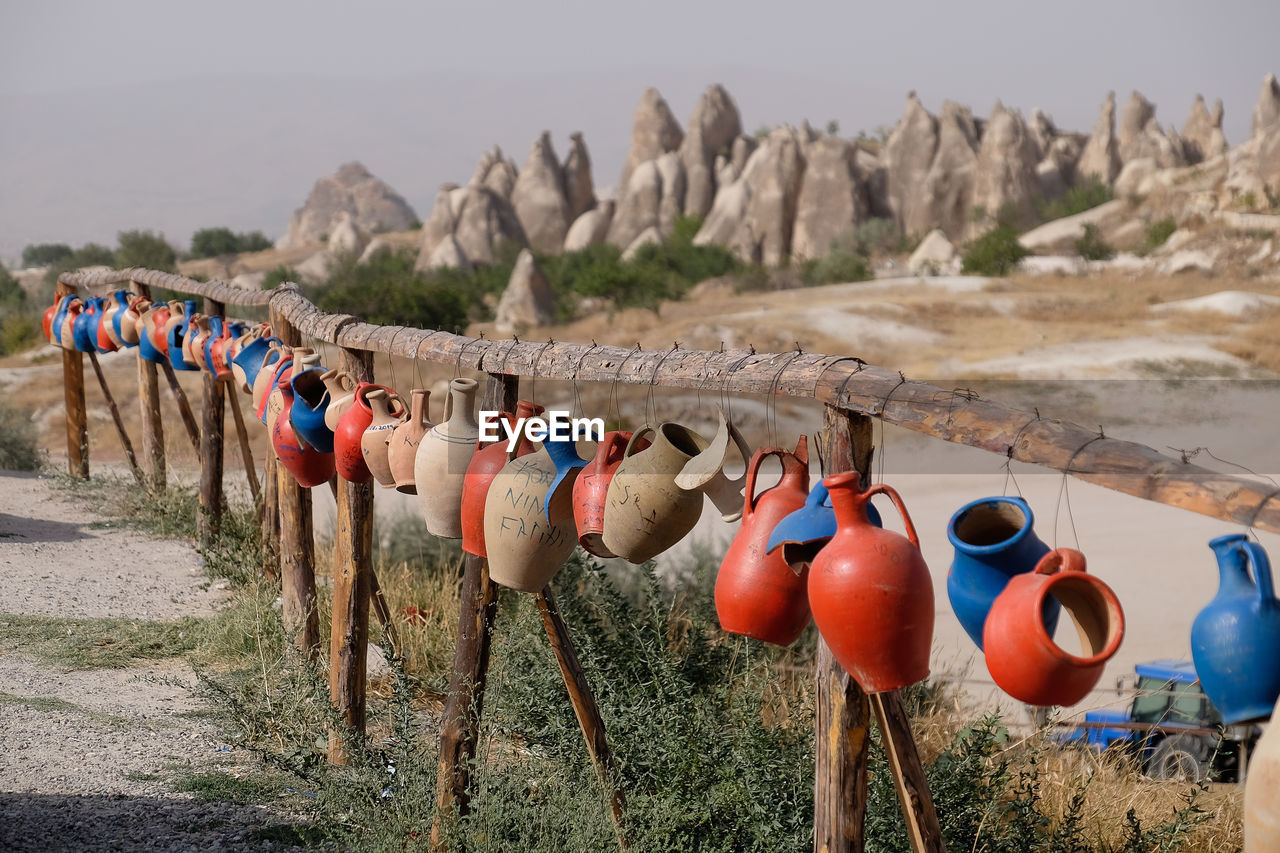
pixel 297 543
pixel 270 518
pixel 77 417
pixel 842 719
pixel 246 452
pixel 908 773
pixel 184 406
pixel 584 706
pixel 352 587
pixel 383 612
pixel 125 443
pixel 209 517
pixel 478 602
pixel 149 409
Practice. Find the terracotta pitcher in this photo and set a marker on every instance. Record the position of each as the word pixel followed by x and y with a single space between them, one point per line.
pixel 348 453
pixel 443 458
pixel 306 463
pixel 273 406
pixel 645 511
pixel 342 389
pixel 591 490
pixel 871 593
pixel 402 449
pixel 488 460
pixel 705 472
pixel 127 318
pixel 388 413
pixel 302 358
pixel 266 376
pixel 757 593
pixel 1262 793
pixel 103 339
pixel 151 316
pixel 111 307
pixel 1021 655
pixel 526 547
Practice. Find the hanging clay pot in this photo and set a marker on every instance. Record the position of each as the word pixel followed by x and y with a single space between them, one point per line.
pixel 442 460
pixel 645 511
pixel 250 360
pixel 591 490
pixel 310 400
pixel 102 340
pixel 306 463
pixel 275 398
pixel 871 593
pixel 388 413
pixel 177 332
pixel 266 376
pixel 218 349
pixel 803 533
pixel 1262 792
pixel 84 327
pixel 211 331
pixel 402 449
pixel 705 472
pixel 757 593
pixel 1021 655
pixel 110 308
pixel 564 455
pixel 525 545
pixel 342 389
pixel 126 319
pixel 348 455
pixel 196 327
pixel 440 401
pixel 147 331
pixel 1235 639
pixel 993 540
pixel 485 464
pixel 46 319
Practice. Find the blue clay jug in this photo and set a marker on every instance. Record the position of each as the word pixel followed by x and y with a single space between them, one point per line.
pixel 251 358
pixel 813 523
pixel 993 540
pixel 178 334
pixel 310 402
pixel 215 332
pixel 564 455
pixel 147 348
pixel 85 327
pixel 1235 639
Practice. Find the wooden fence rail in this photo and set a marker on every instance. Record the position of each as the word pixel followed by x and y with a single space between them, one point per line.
pixel 854 393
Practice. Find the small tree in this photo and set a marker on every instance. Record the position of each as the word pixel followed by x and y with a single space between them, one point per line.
pixel 44 254
pixel 213 242
pixel 995 253
pixel 145 249
pixel 1092 247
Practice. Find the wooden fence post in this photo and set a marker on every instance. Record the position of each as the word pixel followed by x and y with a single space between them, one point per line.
pixel 209 518
pixel 149 408
pixel 125 444
pixel 297 550
pixel 842 719
pixel 184 405
pixel 73 397
pixel 352 586
pixel 478 600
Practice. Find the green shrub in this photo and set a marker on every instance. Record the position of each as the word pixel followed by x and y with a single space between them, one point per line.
pixel 145 249
pixel 18 445
pixel 279 275
pixel 213 242
pixel 19 332
pixel 1092 247
pixel 44 254
pixel 995 253
pixel 387 290
pixel 88 255
pixel 1085 195
pixel 1158 233
pixel 875 236
pixel 838 266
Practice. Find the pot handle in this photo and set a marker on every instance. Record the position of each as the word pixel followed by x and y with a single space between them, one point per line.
pixel 882 489
pixel 395 401
pixel 635 437
pixel 1061 559
pixel 753 468
pixel 1261 570
pixel 743 447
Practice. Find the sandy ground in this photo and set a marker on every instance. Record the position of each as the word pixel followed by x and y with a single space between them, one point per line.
pixel 93 773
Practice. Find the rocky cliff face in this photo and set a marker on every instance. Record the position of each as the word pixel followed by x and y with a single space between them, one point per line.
pixel 352 191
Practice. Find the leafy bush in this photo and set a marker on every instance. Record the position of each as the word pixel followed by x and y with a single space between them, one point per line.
pixel 88 255
pixel 838 266
pixel 387 290
pixel 995 253
pixel 44 254
pixel 19 450
pixel 212 242
pixel 1158 233
pixel 1092 247
pixel 18 332
pixel 1083 196
pixel 278 275
pixel 145 249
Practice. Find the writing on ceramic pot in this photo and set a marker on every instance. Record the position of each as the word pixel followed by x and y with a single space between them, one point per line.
pixel 549 535
pixel 556 425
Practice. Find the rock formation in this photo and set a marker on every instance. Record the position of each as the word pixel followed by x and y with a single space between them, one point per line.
pixel 1004 179
pixel 648 237
pixel 638 206
pixel 528 301
pixel 944 198
pixel 832 200
pixel 1101 156
pixel 674 186
pixel 590 228
pixel 539 198
pixel 1056 172
pixel 654 132
pixel 447 255
pixel 485 221
pixel 907 156
pixel 372 205
pixel 934 256
pixel 347 238
pixel 495 171
pixel 578 186
pixel 713 127
pixel 1202 136
pixel 1266 115
pixel 1142 137
pixel 771 183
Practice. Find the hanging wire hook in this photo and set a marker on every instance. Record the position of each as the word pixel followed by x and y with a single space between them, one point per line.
pixel 650 409
pixel 1064 493
pixel 771 402
pixel 1008 457
pixel 617 377
pixel 533 378
pixel 726 400
pixel 577 394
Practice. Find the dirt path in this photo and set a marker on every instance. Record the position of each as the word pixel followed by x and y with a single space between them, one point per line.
pixel 88 757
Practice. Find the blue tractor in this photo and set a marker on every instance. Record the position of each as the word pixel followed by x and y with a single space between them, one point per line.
pixel 1171 727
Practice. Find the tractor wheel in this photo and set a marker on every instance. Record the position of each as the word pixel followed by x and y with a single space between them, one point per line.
pixel 1180 757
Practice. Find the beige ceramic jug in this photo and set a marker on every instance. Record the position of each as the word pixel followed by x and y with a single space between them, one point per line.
pixel 388 413
pixel 705 472
pixel 645 511
pixel 402 449
pixel 1262 792
pixel 304 358
pixel 342 391
pixel 442 460
pixel 524 546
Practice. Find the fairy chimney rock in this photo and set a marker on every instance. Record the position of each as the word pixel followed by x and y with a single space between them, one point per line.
pixel 714 125
pixel 578 186
pixel 654 132
pixel 1101 155
pixel 1266 115
pixel 1202 134
pixel 832 200
pixel 372 205
pixel 528 301
pixel 907 155
pixel 539 198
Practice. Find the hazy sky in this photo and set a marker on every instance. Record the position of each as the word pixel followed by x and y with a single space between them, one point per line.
pixel 243 104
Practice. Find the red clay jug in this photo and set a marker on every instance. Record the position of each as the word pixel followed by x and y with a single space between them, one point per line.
pixel 758 594
pixel 1021 655
pixel 591 489
pixel 488 460
pixel 348 455
pixel 309 466
pixel 871 593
